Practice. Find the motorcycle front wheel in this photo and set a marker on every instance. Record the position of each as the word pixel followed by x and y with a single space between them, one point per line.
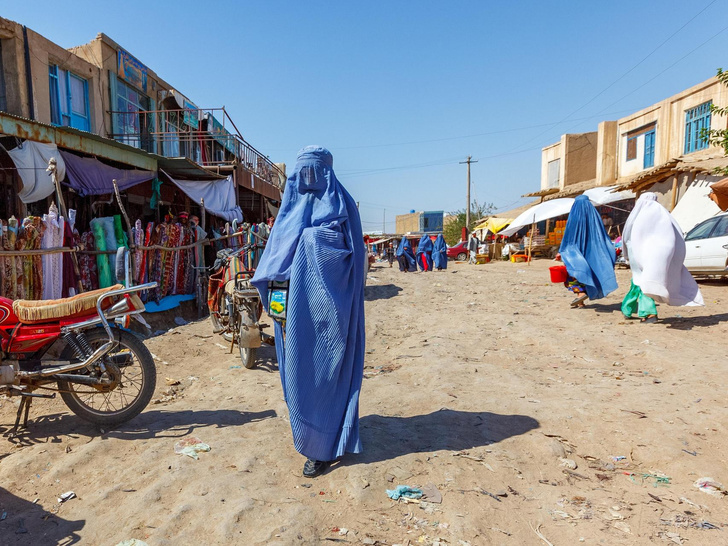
pixel 135 381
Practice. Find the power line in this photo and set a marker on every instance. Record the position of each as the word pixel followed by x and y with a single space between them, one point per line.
pixel 629 71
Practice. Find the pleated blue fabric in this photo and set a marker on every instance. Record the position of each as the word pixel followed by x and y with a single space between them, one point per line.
pixel 424 253
pixel 316 244
pixel 405 256
pixel 587 250
pixel 439 253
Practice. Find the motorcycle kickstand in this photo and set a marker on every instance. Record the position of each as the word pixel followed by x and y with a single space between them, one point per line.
pixel 26 399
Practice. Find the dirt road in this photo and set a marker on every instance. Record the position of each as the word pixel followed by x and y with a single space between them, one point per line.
pixel 528 417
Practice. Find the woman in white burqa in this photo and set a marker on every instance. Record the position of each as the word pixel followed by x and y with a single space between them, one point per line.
pixel 655 249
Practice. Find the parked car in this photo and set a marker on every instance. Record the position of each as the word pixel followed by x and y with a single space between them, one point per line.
pixel 706 247
pixel 458 252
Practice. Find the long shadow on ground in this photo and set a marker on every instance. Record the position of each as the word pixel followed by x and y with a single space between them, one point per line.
pixel 688 323
pixel 386 437
pixel 149 424
pixel 381 292
pixel 27 523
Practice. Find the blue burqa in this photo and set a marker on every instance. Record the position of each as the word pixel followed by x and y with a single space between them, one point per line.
pixel 405 256
pixel 587 251
pixel 316 245
pixel 424 253
pixel 439 253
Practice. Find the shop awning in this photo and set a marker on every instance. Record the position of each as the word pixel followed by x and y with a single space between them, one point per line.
pixel 604 195
pixel 494 224
pixel 182 167
pixel 539 213
pixel 89 176
pixel 31 160
pixel 695 206
pixel 219 195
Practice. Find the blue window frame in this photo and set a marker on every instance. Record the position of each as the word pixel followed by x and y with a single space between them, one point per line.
pixel 697 119
pixel 69 99
pixel 649 157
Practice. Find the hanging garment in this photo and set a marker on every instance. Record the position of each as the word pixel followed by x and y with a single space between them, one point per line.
pixel 70 240
pixel 32 265
pixel 11 262
pixel 53 230
pixel 439 253
pixel 405 256
pixel 105 240
pixel 31 160
pixel 587 250
pixel 138 256
pixel 317 246
pixel 88 263
pixel 655 249
pixel 424 253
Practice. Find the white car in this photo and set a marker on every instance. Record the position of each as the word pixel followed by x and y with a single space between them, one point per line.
pixel 706 247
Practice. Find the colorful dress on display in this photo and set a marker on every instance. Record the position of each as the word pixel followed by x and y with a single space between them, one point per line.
pixel 87 263
pixel 53 233
pixel 32 265
pixel 70 240
pixel 11 263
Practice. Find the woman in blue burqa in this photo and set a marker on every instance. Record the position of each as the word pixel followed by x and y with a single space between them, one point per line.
pixel 588 254
pixel 424 253
pixel 405 256
pixel 439 253
pixel 316 247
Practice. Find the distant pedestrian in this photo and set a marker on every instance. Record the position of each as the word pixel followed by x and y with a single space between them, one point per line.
pixel 654 247
pixel 473 245
pixel 588 254
pixel 405 256
pixel 424 253
pixel 313 268
pixel 439 253
pixel 390 254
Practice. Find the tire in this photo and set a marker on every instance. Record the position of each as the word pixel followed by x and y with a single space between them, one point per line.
pixel 247 355
pixel 462 257
pixel 78 402
pixel 219 320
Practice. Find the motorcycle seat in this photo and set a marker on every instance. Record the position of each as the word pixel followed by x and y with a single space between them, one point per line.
pixel 35 311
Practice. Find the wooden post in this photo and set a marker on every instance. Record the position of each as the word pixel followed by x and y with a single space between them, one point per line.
pixel 530 241
pixel 673 199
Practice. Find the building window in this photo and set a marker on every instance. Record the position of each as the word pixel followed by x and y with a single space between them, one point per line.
pixel 552 174
pixel 696 120
pixel 631 148
pixel 69 99
pixel 131 117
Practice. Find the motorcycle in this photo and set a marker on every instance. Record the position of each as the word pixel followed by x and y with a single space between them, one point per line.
pixel 235 306
pixel 104 374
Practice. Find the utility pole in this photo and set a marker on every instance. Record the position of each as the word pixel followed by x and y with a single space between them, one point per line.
pixel 384 221
pixel 467 209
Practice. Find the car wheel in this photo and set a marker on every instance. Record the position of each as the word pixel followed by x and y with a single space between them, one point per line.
pixel 462 256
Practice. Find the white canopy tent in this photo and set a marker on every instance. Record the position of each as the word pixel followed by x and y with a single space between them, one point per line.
pixel 539 213
pixel 604 195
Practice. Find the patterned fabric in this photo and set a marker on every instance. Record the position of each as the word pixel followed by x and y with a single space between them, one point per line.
pixel 87 264
pixel 70 279
pixel 138 257
pixel 53 232
pixel 32 265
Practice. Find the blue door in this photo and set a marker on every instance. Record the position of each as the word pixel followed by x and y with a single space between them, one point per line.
pixel 649 149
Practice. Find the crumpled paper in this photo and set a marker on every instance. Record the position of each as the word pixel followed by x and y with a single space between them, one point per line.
pixel 191 446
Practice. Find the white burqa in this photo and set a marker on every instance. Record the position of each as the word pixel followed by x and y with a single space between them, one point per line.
pixel 654 246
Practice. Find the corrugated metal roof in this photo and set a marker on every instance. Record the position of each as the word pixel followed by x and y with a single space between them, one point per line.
pixel 77 140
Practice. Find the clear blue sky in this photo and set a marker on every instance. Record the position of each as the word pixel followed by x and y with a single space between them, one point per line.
pixel 401 91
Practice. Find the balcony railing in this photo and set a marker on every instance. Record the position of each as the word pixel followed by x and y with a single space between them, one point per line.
pixel 195 134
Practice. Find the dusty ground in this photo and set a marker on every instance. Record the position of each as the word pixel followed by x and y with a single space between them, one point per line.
pixel 479 379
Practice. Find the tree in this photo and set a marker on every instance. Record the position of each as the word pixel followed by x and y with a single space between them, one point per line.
pixel 719 137
pixel 452 230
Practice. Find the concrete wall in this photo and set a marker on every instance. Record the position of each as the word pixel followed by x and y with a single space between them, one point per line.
pixel 43 53
pixel 549 154
pixel 406 223
pixel 606 163
pixel 580 158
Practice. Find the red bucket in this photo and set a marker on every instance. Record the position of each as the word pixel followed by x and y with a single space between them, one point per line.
pixel 558 274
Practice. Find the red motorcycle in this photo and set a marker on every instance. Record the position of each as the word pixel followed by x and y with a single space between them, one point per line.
pixel 104 374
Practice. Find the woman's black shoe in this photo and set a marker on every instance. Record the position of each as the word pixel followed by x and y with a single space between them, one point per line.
pixel 313 468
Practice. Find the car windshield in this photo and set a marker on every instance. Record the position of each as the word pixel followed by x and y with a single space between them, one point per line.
pixel 702 231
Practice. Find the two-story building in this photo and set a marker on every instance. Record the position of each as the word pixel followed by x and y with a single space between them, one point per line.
pixel 660 148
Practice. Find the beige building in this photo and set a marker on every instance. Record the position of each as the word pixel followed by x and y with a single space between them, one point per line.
pixel 659 147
